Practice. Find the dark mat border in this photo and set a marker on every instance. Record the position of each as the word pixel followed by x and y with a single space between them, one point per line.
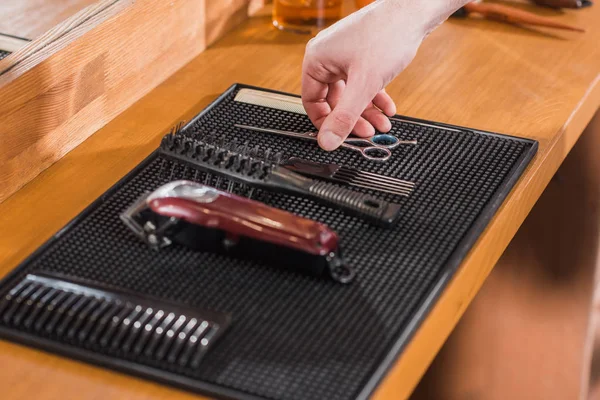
pixel 385 365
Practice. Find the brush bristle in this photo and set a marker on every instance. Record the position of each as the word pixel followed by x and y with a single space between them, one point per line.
pixel 213 154
pixel 225 164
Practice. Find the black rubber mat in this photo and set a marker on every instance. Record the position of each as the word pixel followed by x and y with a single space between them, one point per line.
pixel 293 336
pixel 3 54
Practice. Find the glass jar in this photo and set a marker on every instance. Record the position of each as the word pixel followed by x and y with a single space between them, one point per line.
pixel 305 16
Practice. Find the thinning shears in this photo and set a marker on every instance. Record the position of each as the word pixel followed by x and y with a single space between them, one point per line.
pixel 375 148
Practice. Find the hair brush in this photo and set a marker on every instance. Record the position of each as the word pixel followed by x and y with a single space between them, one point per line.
pixel 232 161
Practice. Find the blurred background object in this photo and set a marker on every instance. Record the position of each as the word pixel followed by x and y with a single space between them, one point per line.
pixel 310 16
pixel 362 3
pixel 511 15
pixel 545 3
pixel 305 16
pixel 564 3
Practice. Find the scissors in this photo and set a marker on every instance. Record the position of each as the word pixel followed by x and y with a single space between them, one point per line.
pixel 375 148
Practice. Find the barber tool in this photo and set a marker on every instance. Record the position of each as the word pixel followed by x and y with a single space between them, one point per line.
pixel 233 162
pixel 350 176
pixel 294 105
pixel 375 148
pixel 549 3
pixel 276 101
pixel 117 321
pixel 502 13
pixel 207 219
pixel 564 3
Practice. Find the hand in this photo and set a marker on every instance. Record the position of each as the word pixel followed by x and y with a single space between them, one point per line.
pixel 347 66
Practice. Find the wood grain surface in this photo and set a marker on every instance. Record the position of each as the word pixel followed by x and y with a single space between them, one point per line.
pixel 73 79
pixel 529 333
pixel 59 37
pixel 64 86
pixel 31 18
pixel 532 83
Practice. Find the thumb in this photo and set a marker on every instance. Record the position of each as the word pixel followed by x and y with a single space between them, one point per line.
pixel 339 123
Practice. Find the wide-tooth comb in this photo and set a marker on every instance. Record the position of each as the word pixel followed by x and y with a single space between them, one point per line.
pixel 121 323
pixel 229 162
pixel 350 176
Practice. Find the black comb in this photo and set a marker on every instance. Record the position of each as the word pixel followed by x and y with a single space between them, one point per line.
pixel 133 326
pixel 232 161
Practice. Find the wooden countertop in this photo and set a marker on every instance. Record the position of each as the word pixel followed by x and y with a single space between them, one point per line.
pixel 532 83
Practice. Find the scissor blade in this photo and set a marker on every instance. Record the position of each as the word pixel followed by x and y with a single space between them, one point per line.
pixel 414 141
pixel 276 132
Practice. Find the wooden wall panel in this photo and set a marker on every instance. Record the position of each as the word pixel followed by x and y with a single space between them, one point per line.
pixel 31 18
pixel 59 89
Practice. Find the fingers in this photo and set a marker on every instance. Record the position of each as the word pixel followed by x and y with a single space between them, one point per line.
pixel 341 121
pixel 384 102
pixel 377 119
pixel 363 128
pixel 371 118
pixel 337 108
pixel 333 97
pixel 335 93
pixel 314 99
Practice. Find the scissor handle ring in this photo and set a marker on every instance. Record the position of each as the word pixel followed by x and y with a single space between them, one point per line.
pixel 384 140
pixel 380 154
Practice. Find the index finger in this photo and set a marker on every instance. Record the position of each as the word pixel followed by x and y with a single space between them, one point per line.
pixel 314 98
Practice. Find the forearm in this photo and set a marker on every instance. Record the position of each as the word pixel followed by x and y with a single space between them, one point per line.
pixel 440 10
pixel 430 12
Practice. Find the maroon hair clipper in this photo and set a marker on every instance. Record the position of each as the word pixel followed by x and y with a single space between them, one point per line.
pixel 207 219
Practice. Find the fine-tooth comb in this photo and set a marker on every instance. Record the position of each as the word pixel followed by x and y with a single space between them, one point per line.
pixel 294 105
pixel 277 101
pixel 232 162
pixel 350 176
